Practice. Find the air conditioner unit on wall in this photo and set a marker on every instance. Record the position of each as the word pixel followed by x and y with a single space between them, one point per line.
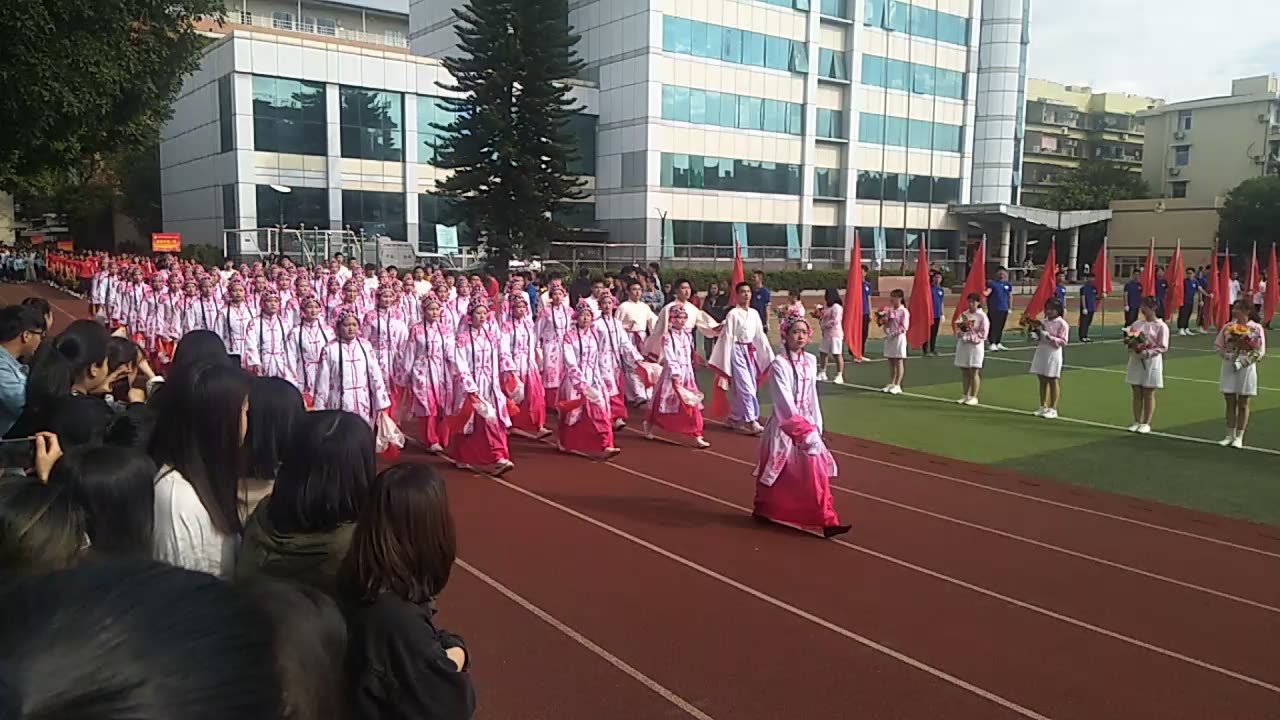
pixel 1175 171
pixel 1264 118
pixel 1179 135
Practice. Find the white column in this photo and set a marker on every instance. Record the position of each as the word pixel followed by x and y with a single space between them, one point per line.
pixel 1073 258
pixel 333 109
pixel 1005 232
pixel 411 168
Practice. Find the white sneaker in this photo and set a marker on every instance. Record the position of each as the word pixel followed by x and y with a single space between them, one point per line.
pixel 1002 347
pixel 1050 414
pixel 887 388
pixel 992 347
pixel 822 377
pixel 701 443
pixel 1041 412
pixel 1226 441
pixel 1143 429
pixel 1238 441
pixel 1134 427
pixel 838 379
pixel 895 390
pixel 963 401
pixel 972 401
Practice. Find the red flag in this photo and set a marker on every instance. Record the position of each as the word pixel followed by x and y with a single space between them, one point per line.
pixel 976 282
pixel 921 303
pixel 1222 313
pixel 1149 271
pixel 1271 298
pixel 1048 284
pixel 738 275
pixel 1174 273
pixel 1211 312
pixel 853 302
pixel 1251 282
pixel 1102 269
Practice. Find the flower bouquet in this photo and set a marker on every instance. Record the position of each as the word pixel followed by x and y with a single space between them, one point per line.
pixel 1243 345
pixel 882 317
pixel 1031 327
pixel 965 323
pixel 1136 342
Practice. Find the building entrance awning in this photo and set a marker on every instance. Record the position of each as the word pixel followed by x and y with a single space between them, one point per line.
pixel 1023 217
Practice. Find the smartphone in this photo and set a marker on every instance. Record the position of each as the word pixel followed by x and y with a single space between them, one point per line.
pixel 18 453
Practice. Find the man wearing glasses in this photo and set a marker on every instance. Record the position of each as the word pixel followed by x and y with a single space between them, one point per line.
pixel 21 329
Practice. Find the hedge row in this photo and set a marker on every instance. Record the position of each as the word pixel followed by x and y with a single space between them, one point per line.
pixel 783 280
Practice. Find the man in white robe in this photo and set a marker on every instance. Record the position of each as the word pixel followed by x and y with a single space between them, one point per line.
pixel 637 320
pixel 741 355
pixel 695 320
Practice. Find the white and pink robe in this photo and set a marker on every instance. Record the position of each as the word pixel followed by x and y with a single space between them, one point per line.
pixel 201 313
pixel 481 415
pixel 306 345
pixel 617 352
pixel 267 351
pixel 520 339
pixel 553 322
pixel 677 403
pixel 387 334
pixel 794 468
pixel 349 379
pixel 233 328
pixel 637 319
pixel 424 366
pixel 740 359
pixel 586 423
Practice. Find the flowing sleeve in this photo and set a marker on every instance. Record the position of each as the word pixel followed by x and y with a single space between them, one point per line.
pixel 322 389
pixel 406 356
pixel 572 371
pixel 782 390
pixel 251 356
pixel 381 397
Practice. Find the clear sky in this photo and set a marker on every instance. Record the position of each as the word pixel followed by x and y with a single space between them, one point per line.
pixel 1172 49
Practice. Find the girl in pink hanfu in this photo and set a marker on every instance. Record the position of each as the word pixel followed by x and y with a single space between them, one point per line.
pixel 136 295
pixel 169 323
pixel 677 404
pixel 794 468
pixel 332 294
pixel 410 303
pixel 351 301
pixel 448 314
pixel 233 324
pixel 306 345
pixel 461 302
pixel 896 322
pixel 586 423
pixel 348 378
pixel 425 367
pixel 553 322
pixel 524 386
pixel 617 351
pixel 478 426
pixel 150 316
pixel 387 334
pixel 267 352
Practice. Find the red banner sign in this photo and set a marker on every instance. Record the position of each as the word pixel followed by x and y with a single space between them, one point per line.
pixel 67 245
pixel 166 242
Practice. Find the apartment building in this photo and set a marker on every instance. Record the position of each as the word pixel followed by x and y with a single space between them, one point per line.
pixel 782 123
pixel 1067 124
pixel 1201 149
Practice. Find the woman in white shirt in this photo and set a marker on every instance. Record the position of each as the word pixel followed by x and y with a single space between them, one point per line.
pixel 200 427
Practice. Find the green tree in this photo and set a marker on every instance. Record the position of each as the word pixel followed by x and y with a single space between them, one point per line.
pixel 85 80
pixel 1094 185
pixel 1251 214
pixel 509 145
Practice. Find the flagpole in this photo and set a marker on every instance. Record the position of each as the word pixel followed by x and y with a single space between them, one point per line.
pixel 1106 258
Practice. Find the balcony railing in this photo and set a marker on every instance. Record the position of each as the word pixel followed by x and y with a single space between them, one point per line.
pixel 238 17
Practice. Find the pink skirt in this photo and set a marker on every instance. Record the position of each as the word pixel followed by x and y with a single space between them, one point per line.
pixel 550 396
pixel 435 431
pixel 801 495
pixel 591 435
pixel 618 403
pixel 485 445
pixel 533 409
pixel 679 422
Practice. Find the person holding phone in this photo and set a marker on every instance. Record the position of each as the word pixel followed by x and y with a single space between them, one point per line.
pixel 21 329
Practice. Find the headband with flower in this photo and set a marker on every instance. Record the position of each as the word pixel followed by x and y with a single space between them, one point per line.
pixel 678 316
pixel 344 315
pixel 790 319
pixel 583 306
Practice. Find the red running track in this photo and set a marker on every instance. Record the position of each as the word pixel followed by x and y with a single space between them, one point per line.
pixel 639 588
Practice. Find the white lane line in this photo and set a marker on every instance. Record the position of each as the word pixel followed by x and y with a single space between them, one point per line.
pixel 780 604
pixel 1032 541
pixel 1077 421
pixel 975 588
pixel 582 640
pixel 1116 371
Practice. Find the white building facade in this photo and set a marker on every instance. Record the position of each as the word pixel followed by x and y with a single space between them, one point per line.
pixel 785 124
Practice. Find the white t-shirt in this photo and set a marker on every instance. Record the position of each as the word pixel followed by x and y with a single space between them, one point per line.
pixel 1260 295
pixel 184 534
pixel 1233 293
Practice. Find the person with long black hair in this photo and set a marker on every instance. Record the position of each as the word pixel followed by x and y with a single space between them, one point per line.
pixel 481 411
pixel 349 378
pixel 115 487
pixel 301 531
pixel 275 410
pixel 402 666
pixel 41 529
pixel 306 346
pixel 72 363
pixel 197 444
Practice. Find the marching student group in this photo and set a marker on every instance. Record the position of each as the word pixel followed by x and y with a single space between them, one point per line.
pixel 471 365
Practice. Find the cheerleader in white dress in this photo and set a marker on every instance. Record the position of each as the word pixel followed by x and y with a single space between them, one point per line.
pixel 1047 363
pixel 831 320
pixel 1241 343
pixel 896 322
pixel 971 328
pixel 1145 371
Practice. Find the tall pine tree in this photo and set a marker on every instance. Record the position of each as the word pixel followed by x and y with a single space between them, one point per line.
pixel 509 145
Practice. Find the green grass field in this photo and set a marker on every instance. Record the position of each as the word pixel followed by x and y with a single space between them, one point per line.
pixel 1177 464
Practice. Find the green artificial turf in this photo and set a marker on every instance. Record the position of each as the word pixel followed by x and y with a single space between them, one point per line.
pixel 1239 483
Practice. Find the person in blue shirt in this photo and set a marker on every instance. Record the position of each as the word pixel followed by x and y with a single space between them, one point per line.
pixel 1132 297
pixel 936 293
pixel 1190 292
pixel 760 298
pixel 1205 295
pixel 1162 293
pixel 866 310
pixel 998 292
pixel 21 329
pixel 1088 306
pixel 1060 287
